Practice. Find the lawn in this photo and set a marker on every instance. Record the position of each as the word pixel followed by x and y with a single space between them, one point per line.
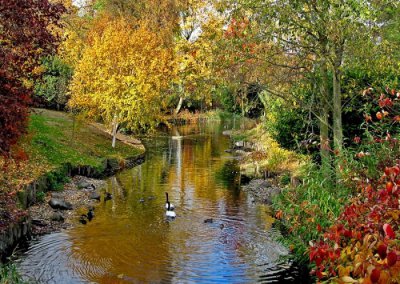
pixel 55 139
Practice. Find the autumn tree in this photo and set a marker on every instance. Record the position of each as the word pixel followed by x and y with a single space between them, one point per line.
pixel 200 24
pixel 26 34
pixel 316 38
pixel 121 76
pixel 159 16
pixel 241 60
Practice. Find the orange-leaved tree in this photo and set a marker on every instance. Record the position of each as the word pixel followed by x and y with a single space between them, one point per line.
pixel 121 76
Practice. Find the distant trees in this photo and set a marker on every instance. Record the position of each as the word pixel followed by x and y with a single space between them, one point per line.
pixel 26 34
pixel 194 53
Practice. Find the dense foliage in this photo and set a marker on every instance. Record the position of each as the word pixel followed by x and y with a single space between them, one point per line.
pixel 25 36
pixel 353 239
pixel 51 90
pixel 127 86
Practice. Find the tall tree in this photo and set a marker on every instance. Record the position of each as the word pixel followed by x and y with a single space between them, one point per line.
pixel 318 33
pixel 121 76
pixel 199 25
pixel 26 34
pixel 159 15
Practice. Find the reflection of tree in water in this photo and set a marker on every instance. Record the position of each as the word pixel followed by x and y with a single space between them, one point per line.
pixel 229 175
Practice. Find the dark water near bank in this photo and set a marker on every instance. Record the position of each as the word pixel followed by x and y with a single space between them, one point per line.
pixel 130 240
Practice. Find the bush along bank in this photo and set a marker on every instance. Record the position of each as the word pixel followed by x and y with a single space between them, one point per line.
pixel 262 157
pixel 56 148
pixel 348 228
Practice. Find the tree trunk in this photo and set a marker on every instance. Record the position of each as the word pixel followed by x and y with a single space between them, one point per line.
pixel 324 124
pixel 337 112
pixel 178 107
pixel 114 130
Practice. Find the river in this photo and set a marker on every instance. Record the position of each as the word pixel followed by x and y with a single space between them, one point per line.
pixel 130 240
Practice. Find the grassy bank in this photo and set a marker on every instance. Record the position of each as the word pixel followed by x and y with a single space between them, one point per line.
pixel 9 275
pixel 267 155
pixel 56 139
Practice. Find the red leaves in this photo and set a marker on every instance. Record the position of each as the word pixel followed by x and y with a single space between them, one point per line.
pixel 350 246
pixel 279 214
pixel 385 102
pixel 237 29
pixel 375 275
pixel 24 38
pixel 382 251
pixel 392 258
pixel 13 112
pixel 388 231
pixel 370 223
pixel 389 171
pixel 389 187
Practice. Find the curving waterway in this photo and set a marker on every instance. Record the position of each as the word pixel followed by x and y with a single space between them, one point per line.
pixel 131 241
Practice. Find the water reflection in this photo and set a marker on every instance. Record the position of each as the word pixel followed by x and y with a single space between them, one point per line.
pixel 130 240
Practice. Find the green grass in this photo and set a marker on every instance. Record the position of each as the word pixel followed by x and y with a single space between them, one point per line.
pixel 54 141
pixel 9 275
pixel 315 202
pixel 59 141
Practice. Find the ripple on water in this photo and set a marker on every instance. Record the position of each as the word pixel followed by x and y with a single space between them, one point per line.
pixel 131 242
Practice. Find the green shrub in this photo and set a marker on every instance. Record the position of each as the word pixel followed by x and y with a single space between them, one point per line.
pixel 309 209
pixel 52 89
pixel 57 178
pixel 40 196
pixel 314 204
pixel 285 179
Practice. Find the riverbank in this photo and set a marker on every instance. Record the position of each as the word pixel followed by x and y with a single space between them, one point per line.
pixel 264 163
pixel 56 148
pixel 332 224
pixel 82 193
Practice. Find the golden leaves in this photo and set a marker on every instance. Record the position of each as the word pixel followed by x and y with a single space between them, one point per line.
pixel 123 72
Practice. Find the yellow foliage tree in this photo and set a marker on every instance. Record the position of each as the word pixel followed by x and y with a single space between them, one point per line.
pixel 199 27
pixel 121 75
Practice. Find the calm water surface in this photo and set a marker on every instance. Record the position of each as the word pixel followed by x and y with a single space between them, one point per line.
pixel 131 241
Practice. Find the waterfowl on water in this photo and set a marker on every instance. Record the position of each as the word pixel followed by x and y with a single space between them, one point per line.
pixel 107 196
pixel 169 212
pixel 90 214
pixel 171 207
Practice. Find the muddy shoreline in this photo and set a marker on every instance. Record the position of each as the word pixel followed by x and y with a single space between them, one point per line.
pixel 46 219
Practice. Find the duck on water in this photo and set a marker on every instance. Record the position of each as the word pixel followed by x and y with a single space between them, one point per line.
pixel 170 213
pixel 171 206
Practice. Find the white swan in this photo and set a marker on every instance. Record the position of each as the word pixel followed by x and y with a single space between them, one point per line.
pixel 169 212
pixel 171 206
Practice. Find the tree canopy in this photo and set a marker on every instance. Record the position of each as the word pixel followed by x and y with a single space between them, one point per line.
pixel 26 34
